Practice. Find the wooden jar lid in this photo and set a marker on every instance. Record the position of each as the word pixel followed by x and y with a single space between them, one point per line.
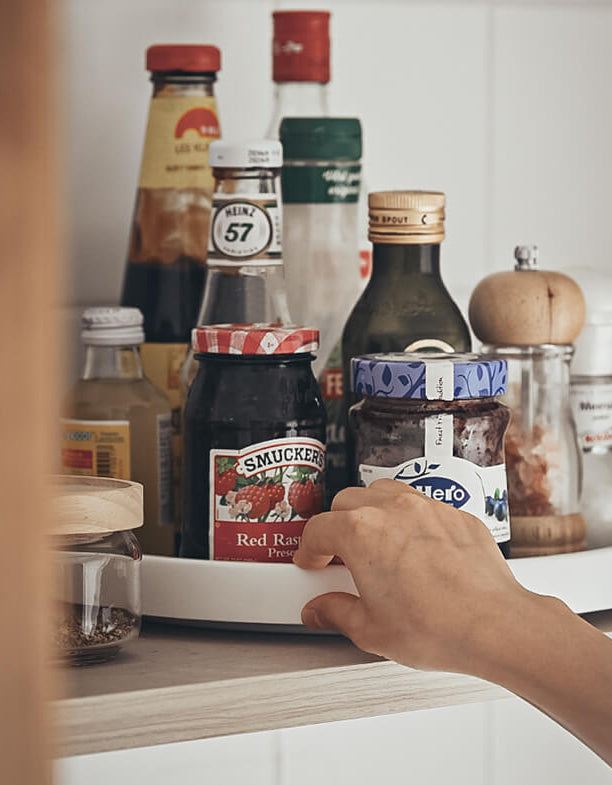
pixel 95 505
pixel 527 306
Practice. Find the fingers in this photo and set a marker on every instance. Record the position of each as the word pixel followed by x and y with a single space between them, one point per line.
pixel 335 611
pixel 380 490
pixel 322 539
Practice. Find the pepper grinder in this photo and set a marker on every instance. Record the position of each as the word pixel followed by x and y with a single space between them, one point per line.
pixel 531 318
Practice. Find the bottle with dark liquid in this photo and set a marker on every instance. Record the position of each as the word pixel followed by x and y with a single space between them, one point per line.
pixel 405 306
pixel 166 263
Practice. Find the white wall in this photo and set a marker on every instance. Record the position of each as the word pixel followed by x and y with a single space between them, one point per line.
pixel 505 106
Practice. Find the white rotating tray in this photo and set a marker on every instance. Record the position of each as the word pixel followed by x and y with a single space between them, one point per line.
pixel 245 593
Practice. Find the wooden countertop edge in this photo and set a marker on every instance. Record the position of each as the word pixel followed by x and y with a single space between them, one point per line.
pixel 197 711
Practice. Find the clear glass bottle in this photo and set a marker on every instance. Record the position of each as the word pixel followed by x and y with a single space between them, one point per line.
pixel 246 280
pixel 166 264
pixel 405 306
pixel 97 567
pixel 591 398
pixel 118 424
pixel 300 66
pixel 321 189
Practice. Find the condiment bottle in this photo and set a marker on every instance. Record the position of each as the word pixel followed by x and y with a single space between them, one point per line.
pixel 300 66
pixel 118 424
pixel 321 186
pixel 531 317
pixel 166 264
pixel 96 584
pixel 254 443
pixel 246 279
pixel 405 306
pixel 591 398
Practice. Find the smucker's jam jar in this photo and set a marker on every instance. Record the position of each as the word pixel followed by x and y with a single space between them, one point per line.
pixel 434 423
pixel 254 443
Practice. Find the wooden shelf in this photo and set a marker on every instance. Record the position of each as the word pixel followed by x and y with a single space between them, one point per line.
pixel 182 683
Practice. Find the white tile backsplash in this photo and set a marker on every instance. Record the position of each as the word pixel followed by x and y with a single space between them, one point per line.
pixel 227 760
pixel 552 124
pixel 436 747
pixel 531 749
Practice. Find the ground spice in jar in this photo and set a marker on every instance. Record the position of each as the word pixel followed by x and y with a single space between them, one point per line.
pixel 111 626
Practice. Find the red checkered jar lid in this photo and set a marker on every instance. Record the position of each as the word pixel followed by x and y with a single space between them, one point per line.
pixel 253 339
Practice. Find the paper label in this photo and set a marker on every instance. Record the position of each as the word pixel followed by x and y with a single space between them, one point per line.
pixel 262 496
pixel 175 153
pixel 481 491
pixel 164 469
pixel 162 364
pixel 245 231
pixel 592 409
pixel 99 448
pixel 321 184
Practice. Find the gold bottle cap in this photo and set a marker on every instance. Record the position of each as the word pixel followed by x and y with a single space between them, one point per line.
pixel 406 217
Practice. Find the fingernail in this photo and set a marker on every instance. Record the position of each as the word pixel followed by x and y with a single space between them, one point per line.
pixel 311 619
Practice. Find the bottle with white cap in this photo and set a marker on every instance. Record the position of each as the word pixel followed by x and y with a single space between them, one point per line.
pixel 245 282
pixel 118 424
pixel 591 399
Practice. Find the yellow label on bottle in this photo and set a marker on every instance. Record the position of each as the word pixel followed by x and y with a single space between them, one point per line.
pixel 162 363
pixel 175 154
pixel 100 448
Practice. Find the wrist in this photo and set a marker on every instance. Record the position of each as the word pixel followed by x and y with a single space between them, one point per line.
pixel 512 648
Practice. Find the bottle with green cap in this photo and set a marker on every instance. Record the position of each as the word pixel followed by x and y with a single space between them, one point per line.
pixel 321 183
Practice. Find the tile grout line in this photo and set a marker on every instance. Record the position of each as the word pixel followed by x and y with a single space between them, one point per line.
pixel 489 774
pixel 489 184
pixel 279 757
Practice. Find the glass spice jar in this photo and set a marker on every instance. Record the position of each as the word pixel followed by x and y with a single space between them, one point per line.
pixel 97 567
pixel 434 422
pixel 254 461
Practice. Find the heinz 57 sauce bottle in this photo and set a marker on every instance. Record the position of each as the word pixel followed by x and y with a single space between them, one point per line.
pixel 405 306
pixel 166 264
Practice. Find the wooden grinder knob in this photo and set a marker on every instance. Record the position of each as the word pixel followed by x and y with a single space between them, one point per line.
pixel 527 306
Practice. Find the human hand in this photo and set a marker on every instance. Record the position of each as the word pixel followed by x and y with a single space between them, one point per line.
pixel 433 585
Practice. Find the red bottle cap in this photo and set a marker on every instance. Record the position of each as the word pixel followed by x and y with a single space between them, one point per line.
pixel 193 58
pixel 300 48
pixel 254 339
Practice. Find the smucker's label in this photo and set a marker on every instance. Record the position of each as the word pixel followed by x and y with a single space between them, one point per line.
pixel 245 231
pixel 262 496
pixel 481 491
pixel 592 409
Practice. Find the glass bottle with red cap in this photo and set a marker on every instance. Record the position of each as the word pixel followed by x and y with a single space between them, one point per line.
pixel 254 460
pixel 300 66
pixel 165 270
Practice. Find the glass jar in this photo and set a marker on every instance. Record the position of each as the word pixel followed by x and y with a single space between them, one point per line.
pixel 434 422
pixel 254 443
pixel 542 454
pixel 97 569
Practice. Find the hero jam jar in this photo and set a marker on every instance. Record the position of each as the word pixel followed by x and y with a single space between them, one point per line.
pixel 434 422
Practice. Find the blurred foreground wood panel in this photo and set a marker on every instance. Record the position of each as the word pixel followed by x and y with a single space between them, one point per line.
pixel 29 287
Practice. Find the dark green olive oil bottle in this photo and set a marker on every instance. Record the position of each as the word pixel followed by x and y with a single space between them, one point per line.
pixel 405 306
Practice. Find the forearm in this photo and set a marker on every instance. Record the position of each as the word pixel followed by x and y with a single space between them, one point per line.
pixel 552 658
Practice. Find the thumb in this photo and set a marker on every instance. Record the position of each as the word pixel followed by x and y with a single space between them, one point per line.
pixel 334 611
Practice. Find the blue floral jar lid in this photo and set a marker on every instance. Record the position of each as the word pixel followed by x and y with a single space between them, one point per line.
pixel 442 377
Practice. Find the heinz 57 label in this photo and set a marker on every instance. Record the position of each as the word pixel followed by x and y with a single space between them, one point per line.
pixel 262 496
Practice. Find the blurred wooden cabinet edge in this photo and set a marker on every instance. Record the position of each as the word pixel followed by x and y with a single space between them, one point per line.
pixel 30 282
